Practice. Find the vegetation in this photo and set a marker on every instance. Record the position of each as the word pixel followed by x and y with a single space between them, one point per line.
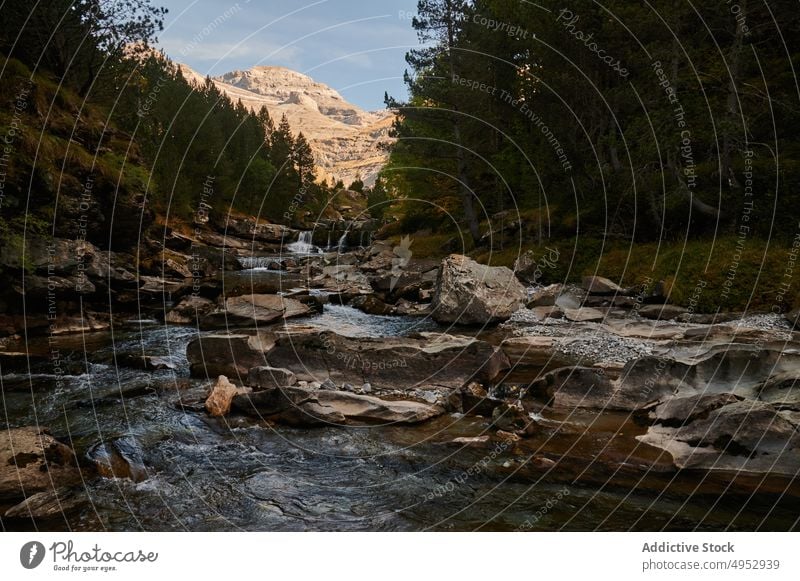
pixel 618 125
pixel 108 134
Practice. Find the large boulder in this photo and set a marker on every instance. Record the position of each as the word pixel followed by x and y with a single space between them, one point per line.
pixel 227 354
pixel 399 363
pixel 32 461
pixel 469 293
pixel 253 310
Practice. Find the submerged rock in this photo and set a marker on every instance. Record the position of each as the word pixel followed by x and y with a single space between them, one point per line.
pixel 469 293
pixel 118 458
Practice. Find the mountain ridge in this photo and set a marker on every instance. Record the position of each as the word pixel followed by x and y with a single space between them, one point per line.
pixel 347 141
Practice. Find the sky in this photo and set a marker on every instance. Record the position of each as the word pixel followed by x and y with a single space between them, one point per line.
pixel 355 46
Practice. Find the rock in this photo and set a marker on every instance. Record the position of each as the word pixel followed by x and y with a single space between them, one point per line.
pixel 404 363
pixel 118 458
pixel 469 293
pixel 597 285
pixel 328 384
pixel 544 313
pixel 304 407
pixel 793 317
pixel 190 310
pixel 49 505
pixel 584 315
pixel 409 309
pixel 507 437
pixel 570 298
pixel 533 270
pixel 678 411
pixel 571 387
pixel 251 229
pixel 542 462
pixel 32 461
pixel 511 417
pixel 661 312
pixel 477 441
pixel 218 403
pixel 254 309
pixel 782 388
pixel 371 305
pixel 265 377
pixel 145 362
pixel 475 401
pixel 232 355
pixel 533 351
pixel 741 437
pixel 289 405
pixel 545 296
pixel 368 409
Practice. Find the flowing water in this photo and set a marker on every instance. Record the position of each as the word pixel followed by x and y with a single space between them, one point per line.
pixel 236 473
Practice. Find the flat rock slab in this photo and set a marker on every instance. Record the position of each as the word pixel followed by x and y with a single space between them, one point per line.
pixel 305 407
pixel 584 315
pixel 400 363
pixel 32 461
pixel 253 310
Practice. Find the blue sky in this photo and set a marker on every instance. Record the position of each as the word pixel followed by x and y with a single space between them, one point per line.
pixel 356 47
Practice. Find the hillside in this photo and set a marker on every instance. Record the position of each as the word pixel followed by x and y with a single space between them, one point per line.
pixel 345 139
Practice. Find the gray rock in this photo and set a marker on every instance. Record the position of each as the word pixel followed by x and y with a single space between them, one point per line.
pixel 584 315
pixel 254 310
pixel 432 359
pixel 742 437
pixel 264 377
pixel 661 312
pixel 469 293
pixel 545 296
pixel 597 285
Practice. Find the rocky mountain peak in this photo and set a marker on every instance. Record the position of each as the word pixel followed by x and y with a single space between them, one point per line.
pixel 345 138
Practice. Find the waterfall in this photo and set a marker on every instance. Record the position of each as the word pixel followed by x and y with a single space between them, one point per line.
pixel 342 244
pixel 303 245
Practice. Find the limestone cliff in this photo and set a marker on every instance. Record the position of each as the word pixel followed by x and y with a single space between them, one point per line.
pixel 346 139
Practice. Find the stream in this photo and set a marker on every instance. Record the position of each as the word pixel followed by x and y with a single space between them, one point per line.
pixel 234 473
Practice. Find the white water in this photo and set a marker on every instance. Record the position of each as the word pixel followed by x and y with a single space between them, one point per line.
pixel 303 245
pixel 341 244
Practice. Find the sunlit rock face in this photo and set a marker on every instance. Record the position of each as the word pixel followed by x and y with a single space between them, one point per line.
pixel 344 137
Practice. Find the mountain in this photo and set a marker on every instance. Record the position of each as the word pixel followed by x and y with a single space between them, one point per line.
pixel 345 138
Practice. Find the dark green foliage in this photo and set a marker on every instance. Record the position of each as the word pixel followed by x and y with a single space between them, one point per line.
pixel 514 105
